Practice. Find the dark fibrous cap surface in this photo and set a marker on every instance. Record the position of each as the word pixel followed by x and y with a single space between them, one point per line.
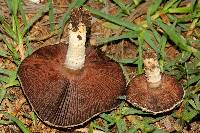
pixel 66 98
pixel 155 100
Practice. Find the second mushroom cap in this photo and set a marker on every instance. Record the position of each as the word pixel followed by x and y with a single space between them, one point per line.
pixel 154 92
pixel 155 100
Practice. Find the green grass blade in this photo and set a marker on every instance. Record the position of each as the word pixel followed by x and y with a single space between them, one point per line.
pixel 192 80
pixel 188 115
pixel 110 25
pixel 184 57
pixel 137 2
pixel 188 18
pixel 18 122
pixel 12 83
pixel 29 48
pixel 131 111
pixel 2 93
pixel 114 19
pixel 148 38
pixel 163 42
pixel 1 17
pixel 197 102
pixel 21 10
pixel 156 35
pixel 162 46
pixel 140 51
pixel 4 79
pixel 51 15
pixel 131 34
pixel 3 122
pixel 34 118
pixel 93 125
pixel 9 80
pixel 19 33
pixel 176 4
pixel 189 9
pixel 11 48
pixel 122 6
pixel 4 53
pixel 13 6
pixel 154 6
pixel 157 130
pixel 128 61
pixel 194 102
pixel 9 4
pixel 6 27
pixel 193 4
pixel 177 38
pixel 121 125
pixel 37 16
pixel 108 118
pixel 10 73
pixel 169 4
pixel 180 10
pixel 13 24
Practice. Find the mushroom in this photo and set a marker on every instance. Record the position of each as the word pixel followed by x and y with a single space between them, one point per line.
pixel 153 91
pixel 68 84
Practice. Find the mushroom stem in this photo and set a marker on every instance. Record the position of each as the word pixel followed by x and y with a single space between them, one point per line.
pixel 152 72
pixel 75 57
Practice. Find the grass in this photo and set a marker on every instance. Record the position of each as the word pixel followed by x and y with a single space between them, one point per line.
pixel 165 23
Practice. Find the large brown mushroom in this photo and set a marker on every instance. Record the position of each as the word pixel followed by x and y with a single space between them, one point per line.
pixel 68 84
pixel 154 92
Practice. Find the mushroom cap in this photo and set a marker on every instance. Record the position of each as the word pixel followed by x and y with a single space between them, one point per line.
pixel 155 100
pixel 66 98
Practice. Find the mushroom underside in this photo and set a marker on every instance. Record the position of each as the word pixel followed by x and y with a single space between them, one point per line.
pixel 66 98
pixel 155 100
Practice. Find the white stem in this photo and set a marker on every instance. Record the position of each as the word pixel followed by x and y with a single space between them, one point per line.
pixel 36 1
pixel 75 57
pixel 152 71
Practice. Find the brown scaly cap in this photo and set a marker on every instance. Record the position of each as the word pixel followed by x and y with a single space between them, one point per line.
pixel 68 98
pixel 64 98
pixel 78 16
pixel 155 100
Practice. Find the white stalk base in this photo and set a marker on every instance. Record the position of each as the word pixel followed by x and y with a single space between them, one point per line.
pixel 75 57
pixel 152 72
pixel 36 1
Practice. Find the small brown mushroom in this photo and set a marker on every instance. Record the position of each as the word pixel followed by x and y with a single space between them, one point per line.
pixel 154 92
pixel 66 95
